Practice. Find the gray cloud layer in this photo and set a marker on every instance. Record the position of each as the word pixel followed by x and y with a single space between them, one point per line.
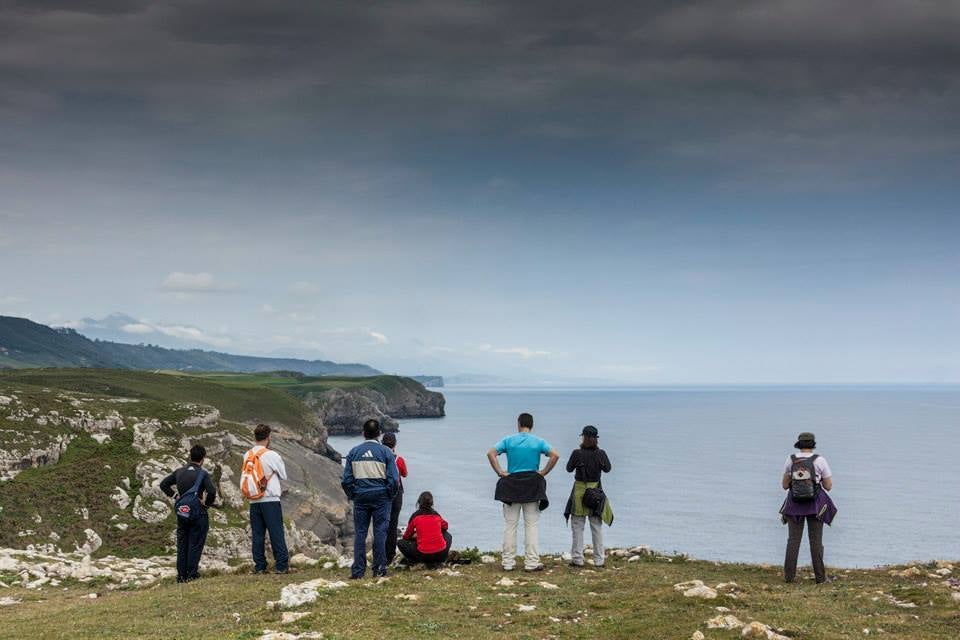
pixel 772 86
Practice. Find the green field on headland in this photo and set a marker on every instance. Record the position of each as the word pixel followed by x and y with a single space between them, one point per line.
pixel 628 599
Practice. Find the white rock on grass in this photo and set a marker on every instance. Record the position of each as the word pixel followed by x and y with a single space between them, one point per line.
pixel 295 595
pixel 526 608
pixel 301 560
pixel 505 582
pixel 548 585
pixel 488 559
pixel 909 572
pixel 761 631
pixel 281 635
pixel 8 564
pixel 289 617
pixel 145 436
pixel 7 601
pixel 697 635
pixel 94 542
pixel 120 497
pixel 345 562
pixel 695 589
pixel 156 512
pixel 724 622
pixel 407 596
pixel 101 438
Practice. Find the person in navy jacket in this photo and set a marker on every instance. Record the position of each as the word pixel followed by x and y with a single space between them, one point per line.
pixel 370 481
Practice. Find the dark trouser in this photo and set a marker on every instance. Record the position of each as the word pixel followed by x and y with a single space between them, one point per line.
pixel 409 550
pixel 268 517
pixel 392 527
pixel 367 508
pixel 191 536
pixel 815 534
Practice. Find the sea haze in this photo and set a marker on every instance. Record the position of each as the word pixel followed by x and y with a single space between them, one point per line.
pixel 697 470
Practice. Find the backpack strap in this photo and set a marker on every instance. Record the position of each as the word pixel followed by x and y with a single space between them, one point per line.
pixel 201 474
pixel 258 455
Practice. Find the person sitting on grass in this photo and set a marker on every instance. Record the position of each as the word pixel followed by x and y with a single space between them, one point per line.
pixel 426 538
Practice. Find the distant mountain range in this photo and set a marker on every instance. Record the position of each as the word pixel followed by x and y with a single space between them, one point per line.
pixel 24 343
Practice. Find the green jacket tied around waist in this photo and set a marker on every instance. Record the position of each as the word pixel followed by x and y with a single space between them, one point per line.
pixel 575 503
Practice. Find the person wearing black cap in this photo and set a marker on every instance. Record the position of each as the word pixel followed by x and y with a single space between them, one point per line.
pixel 804 475
pixel 587 500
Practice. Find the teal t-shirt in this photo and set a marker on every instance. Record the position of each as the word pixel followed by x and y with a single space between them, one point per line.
pixel 523 451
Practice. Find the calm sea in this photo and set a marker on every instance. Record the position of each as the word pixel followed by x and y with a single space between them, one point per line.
pixel 697 470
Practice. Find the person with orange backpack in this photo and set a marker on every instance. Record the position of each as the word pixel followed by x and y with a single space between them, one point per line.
pixel 260 478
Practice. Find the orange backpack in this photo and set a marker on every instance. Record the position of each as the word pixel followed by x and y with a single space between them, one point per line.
pixel 253 482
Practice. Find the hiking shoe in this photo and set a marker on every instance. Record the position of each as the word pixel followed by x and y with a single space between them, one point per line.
pixel 575 565
pixel 281 572
pixel 508 568
pixel 539 567
pixel 453 557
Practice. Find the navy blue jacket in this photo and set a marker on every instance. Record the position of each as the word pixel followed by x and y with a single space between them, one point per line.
pixel 370 470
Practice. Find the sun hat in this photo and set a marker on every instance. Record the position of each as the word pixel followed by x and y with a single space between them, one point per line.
pixel 806 440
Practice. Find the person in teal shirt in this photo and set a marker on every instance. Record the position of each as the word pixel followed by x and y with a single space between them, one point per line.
pixel 523 450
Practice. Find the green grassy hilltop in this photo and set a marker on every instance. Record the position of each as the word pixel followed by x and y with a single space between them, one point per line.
pixel 628 599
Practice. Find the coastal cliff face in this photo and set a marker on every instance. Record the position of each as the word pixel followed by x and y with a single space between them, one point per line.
pixel 82 453
pixel 80 471
pixel 344 410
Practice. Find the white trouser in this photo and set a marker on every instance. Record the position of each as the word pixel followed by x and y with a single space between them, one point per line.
pixel 596 530
pixel 531 520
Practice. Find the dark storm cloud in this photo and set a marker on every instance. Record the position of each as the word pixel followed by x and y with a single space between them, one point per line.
pixel 775 85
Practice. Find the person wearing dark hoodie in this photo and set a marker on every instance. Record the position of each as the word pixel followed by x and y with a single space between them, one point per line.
pixel 191 533
pixel 389 440
pixel 370 480
pixel 522 489
pixel 587 500
pixel 426 538
pixel 806 479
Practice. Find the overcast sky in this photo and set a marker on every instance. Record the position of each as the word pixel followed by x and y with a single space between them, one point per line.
pixel 655 192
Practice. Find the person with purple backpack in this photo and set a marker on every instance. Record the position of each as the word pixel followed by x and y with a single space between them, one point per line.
pixel 806 479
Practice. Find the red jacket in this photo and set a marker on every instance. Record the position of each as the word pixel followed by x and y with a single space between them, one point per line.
pixel 429 528
pixel 402 468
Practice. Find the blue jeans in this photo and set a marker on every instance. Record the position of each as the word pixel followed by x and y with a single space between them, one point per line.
pixel 268 517
pixel 378 509
pixel 191 537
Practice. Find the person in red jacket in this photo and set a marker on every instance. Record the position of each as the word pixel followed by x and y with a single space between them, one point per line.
pixel 426 538
pixel 390 440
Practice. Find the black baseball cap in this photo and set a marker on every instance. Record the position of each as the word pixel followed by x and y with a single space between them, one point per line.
pixel 591 431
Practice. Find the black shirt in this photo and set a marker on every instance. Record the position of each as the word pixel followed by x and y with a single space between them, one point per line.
pixel 589 463
pixel 184 477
